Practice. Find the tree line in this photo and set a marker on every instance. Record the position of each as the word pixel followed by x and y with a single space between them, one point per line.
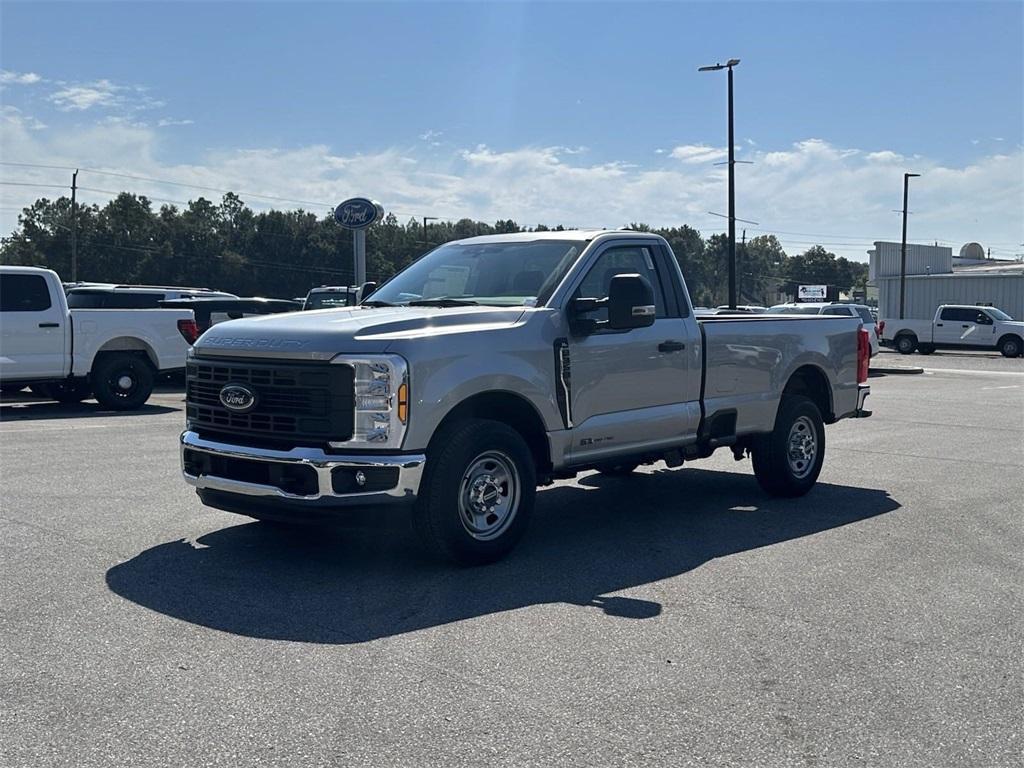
pixel 282 254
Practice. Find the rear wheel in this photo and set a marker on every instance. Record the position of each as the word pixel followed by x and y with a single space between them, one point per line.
pixel 1010 346
pixel 122 382
pixel 906 344
pixel 477 492
pixel 787 461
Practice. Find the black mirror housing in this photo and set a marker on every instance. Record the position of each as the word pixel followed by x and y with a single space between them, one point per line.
pixel 630 302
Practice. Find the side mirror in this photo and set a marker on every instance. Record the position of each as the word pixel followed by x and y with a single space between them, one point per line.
pixel 365 291
pixel 630 302
pixel 982 319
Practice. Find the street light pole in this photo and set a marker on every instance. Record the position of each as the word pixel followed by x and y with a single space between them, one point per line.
pixel 732 182
pixel 74 227
pixel 903 243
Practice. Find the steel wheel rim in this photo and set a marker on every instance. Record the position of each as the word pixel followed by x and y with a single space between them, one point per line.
pixel 802 447
pixel 489 495
pixel 117 383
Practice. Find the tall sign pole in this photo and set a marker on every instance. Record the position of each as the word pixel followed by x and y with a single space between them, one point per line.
pixel 358 214
pixel 732 204
pixel 903 243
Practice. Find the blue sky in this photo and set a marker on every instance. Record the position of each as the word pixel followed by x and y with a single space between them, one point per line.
pixel 577 113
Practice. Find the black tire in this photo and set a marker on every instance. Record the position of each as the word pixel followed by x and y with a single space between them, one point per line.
pixel 798 426
pixel 1010 346
pixel 925 349
pixel 452 515
pixel 68 392
pixel 122 382
pixel 624 469
pixel 906 344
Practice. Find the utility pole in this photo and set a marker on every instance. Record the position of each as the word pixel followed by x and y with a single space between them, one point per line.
pixel 74 227
pixel 903 244
pixel 739 286
pixel 425 220
pixel 732 182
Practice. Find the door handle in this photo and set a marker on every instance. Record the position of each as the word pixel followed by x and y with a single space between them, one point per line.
pixel 938 325
pixel 965 326
pixel 671 346
pixel 49 325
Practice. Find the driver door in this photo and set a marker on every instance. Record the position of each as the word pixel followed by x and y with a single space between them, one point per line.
pixel 637 389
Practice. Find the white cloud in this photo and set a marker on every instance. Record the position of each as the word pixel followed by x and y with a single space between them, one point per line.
pixel 79 97
pixel 166 122
pixel 809 187
pixel 699 153
pixel 16 118
pixel 19 78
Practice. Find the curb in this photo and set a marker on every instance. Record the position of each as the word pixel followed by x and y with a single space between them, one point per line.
pixel 897 369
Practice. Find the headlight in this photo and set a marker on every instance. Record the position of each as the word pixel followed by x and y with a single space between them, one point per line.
pixel 380 399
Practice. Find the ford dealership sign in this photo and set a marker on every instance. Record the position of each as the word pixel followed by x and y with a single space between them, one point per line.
pixel 358 213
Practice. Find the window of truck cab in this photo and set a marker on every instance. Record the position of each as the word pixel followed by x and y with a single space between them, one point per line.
pixel 619 260
pixel 23 293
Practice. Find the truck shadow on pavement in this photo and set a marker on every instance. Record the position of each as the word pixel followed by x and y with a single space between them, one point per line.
pixel 371 581
pixel 31 411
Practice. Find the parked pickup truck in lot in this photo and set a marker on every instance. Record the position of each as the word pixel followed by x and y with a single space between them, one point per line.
pixel 69 353
pixel 957 326
pixel 496 364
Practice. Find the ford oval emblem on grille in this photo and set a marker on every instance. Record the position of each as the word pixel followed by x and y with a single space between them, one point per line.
pixel 237 397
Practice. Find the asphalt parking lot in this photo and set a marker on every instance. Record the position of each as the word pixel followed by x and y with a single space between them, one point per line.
pixel 673 618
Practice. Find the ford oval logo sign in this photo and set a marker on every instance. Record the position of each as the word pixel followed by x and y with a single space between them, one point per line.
pixel 358 213
pixel 237 398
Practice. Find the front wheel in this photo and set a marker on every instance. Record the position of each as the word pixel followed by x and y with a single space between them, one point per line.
pixel 122 382
pixel 477 493
pixel 1010 346
pixel 906 344
pixel 788 460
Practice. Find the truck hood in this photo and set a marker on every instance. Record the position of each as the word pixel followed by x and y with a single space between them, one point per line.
pixel 322 334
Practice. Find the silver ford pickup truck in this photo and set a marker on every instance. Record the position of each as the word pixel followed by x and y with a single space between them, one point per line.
pixel 496 364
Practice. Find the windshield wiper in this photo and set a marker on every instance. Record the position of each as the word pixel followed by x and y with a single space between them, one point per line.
pixel 443 302
pixel 373 303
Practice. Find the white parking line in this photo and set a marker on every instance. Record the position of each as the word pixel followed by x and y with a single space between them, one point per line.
pixel 973 372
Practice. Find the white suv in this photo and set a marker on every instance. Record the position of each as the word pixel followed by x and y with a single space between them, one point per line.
pixel 834 308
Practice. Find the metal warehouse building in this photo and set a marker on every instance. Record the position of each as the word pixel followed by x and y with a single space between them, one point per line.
pixel 935 276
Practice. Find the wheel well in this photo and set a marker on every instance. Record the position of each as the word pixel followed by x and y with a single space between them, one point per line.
pixel 810 381
pixel 128 344
pixel 142 354
pixel 905 333
pixel 1010 335
pixel 512 410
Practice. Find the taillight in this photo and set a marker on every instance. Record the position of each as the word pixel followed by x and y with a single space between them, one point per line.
pixel 881 328
pixel 863 355
pixel 189 330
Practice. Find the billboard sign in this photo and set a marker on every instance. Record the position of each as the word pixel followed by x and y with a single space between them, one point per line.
pixel 811 292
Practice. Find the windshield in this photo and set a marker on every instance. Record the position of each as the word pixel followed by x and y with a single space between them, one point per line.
pixel 998 314
pixel 499 274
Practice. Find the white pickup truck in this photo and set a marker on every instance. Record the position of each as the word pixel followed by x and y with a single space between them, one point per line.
pixel 957 326
pixel 69 353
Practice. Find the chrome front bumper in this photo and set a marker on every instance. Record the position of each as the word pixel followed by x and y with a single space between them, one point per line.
pixel 410 470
